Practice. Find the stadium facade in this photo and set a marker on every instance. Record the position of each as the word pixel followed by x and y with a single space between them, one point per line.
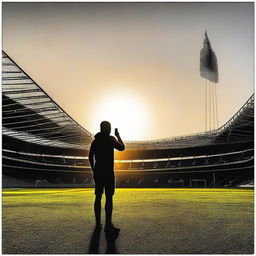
pixel 44 145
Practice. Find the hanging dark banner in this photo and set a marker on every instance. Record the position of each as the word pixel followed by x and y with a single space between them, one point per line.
pixel 208 62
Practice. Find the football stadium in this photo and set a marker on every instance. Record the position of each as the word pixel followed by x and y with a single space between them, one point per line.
pixel 186 194
pixel 44 147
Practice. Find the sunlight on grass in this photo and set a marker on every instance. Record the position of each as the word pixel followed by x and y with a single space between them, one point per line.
pixel 151 220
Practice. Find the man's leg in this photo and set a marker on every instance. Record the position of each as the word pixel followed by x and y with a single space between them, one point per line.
pixel 97 208
pixel 109 191
pixel 109 209
pixel 98 195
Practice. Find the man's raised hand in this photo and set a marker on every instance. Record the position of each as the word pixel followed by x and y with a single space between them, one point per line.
pixel 117 133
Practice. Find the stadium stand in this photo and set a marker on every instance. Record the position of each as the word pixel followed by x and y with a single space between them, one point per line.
pixel 43 144
pixel 246 184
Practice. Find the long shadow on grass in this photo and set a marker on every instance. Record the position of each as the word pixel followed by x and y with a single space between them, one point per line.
pixel 95 242
pixel 111 242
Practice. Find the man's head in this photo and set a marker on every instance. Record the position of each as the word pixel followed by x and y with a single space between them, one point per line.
pixel 105 127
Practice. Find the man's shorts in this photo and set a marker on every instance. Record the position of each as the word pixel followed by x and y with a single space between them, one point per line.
pixel 106 182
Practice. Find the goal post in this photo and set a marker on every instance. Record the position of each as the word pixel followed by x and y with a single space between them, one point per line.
pixel 197 183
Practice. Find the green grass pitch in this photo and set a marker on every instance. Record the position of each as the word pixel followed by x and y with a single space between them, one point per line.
pixel 53 221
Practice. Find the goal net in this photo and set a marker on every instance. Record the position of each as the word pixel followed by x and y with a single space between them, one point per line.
pixel 198 183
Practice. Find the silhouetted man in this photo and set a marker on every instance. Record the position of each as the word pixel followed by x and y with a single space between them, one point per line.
pixel 101 157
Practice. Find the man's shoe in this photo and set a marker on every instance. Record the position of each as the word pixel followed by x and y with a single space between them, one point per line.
pixel 111 228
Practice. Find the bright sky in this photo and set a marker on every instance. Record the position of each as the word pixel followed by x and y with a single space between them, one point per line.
pixel 134 64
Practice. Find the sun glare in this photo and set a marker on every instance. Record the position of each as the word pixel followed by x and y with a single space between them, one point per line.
pixel 124 112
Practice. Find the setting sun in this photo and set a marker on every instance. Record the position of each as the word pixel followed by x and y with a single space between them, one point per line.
pixel 125 112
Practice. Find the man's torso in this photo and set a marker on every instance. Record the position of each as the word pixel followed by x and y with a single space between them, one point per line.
pixel 104 155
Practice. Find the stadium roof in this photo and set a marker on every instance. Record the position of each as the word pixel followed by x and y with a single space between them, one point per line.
pixel 240 128
pixel 29 114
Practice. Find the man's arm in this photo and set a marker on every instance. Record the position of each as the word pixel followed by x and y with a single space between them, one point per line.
pixel 118 144
pixel 91 156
